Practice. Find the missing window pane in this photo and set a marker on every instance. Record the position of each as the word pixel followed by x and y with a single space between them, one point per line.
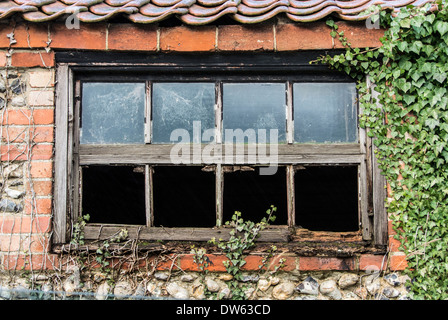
pixel 114 194
pixel 327 198
pixel 183 197
pixel 252 194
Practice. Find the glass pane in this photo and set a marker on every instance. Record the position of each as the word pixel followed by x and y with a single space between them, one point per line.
pixel 183 106
pixel 325 112
pixel 112 113
pixel 257 107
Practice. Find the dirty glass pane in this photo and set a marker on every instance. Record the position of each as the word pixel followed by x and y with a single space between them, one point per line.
pixel 325 112
pixel 255 108
pixel 112 113
pixel 188 107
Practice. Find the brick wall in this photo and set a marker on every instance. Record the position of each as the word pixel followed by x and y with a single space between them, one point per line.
pixel 27 130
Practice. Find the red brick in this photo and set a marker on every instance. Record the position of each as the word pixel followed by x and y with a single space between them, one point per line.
pixel 398 262
pixel 42 169
pixel 132 37
pixel 23 117
pixel 167 263
pixel 215 263
pixel 40 187
pixel 20 134
pixel 18 242
pixel 19 152
pixel 43 261
pixel 32 59
pixel 372 262
pixel 88 37
pixel 306 36
pixel 358 35
pixel 245 38
pixel 186 39
pixel 26 224
pixel 253 263
pixel 394 244
pixel 40 206
pixel 3 59
pixel 318 263
pixel 26 35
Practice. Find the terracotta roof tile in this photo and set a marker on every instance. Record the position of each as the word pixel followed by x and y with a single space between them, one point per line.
pixel 196 12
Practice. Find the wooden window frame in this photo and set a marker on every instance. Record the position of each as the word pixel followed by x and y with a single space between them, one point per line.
pixel 69 155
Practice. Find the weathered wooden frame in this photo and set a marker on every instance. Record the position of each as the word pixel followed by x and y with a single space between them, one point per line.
pixel 69 155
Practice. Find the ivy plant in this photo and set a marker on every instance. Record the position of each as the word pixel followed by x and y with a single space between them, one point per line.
pixel 403 97
pixel 242 238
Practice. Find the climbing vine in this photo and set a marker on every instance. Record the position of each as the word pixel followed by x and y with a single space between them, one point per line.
pixel 403 96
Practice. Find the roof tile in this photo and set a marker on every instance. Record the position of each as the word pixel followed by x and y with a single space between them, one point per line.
pixel 197 12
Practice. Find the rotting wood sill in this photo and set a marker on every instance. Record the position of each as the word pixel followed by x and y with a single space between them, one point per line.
pixel 302 242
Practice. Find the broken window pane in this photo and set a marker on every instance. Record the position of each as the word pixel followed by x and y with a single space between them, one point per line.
pixel 114 194
pixel 254 107
pixel 112 113
pixel 185 106
pixel 252 194
pixel 183 197
pixel 325 112
pixel 327 198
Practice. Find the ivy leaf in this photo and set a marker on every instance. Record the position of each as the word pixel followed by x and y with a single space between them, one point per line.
pixel 441 27
pixel 405 23
pixel 432 123
pixel 416 47
pixel 440 77
pixel 408 99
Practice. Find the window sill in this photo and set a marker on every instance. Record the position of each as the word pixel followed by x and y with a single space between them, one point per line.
pixel 301 242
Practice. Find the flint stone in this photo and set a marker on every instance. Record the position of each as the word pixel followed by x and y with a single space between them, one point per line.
pixel 391 292
pixel 308 286
pixel 161 276
pixel 102 291
pixel 373 287
pixel 393 279
pixel 329 289
pixel 283 291
pixel 15 194
pixel 177 292
pixel 264 284
pixel 18 101
pixel 212 285
pixel 153 289
pixel 9 206
pixel 17 86
pixel 123 288
pixel 187 278
pixel 347 280
pixel 2 86
pixel 250 278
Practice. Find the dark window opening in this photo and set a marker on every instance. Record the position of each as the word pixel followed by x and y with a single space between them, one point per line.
pixel 326 198
pixel 114 194
pixel 252 194
pixel 183 197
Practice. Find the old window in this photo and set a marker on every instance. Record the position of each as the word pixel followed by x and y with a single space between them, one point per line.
pixel 171 148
